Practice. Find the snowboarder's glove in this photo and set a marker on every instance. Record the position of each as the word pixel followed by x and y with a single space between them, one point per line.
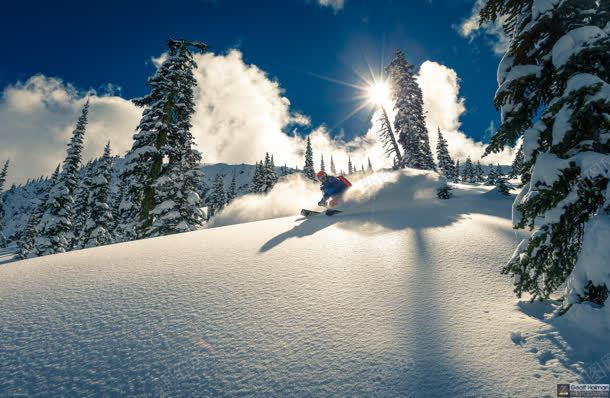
pixel 322 203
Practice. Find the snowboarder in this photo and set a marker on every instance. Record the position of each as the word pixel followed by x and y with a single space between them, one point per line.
pixel 333 188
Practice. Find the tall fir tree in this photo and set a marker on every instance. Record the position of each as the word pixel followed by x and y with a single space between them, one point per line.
pixel 308 170
pixel 468 173
pixel 350 167
pixel 218 197
pixel 322 165
pixel 162 171
pixel 445 163
pixel 25 244
pixel 81 207
pixel 370 166
pixel 479 173
pixel 269 177
pixel 388 138
pixel 3 174
pixel 54 232
pixel 99 220
pixel 492 175
pixel 458 171
pixel 553 91
pixel 409 123
pixel 258 180
pixel 232 191
pixel 333 170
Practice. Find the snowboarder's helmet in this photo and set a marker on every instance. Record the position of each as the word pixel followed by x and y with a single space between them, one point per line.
pixel 321 175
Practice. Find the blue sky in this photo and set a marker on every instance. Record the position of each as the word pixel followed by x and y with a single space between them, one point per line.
pixel 93 43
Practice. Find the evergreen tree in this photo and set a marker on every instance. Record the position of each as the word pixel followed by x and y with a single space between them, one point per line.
pixel 269 178
pixel 152 184
pixel 322 167
pixel 54 232
pixel 3 174
pixel 519 169
pixel 362 168
pixel 333 170
pixel 232 192
pixel 492 175
pixel 370 168
pixel 503 186
pixel 409 123
pixel 458 171
pixel 25 244
pixel 350 167
pixel 218 198
pixel 479 173
pixel 99 221
pixel 468 173
pixel 116 204
pixel 444 191
pixel 81 207
pixel 554 92
pixel 445 163
pixel 388 138
pixel 258 181
pixel 308 170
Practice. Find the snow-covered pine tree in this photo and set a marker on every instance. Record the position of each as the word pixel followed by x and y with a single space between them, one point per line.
pixel 444 190
pixel 333 170
pixel 458 171
pixel 162 155
pixel 25 244
pixel 269 176
pixel 99 219
pixel 388 138
pixel 218 198
pixel 445 163
pixel 554 91
pixel 409 124
pixel 322 166
pixel 232 192
pixel 308 170
pixel 257 183
pixel 81 209
pixel 54 232
pixel 3 174
pixel 502 185
pixel 468 174
pixel 519 169
pixel 499 170
pixel 350 167
pixel 362 168
pixel 370 166
pixel 115 207
pixel 479 173
pixel 492 175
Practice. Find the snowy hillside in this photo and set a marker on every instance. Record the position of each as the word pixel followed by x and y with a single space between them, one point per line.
pixel 400 295
pixel 20 201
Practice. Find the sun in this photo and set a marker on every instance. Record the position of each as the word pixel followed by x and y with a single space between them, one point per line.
pixel 379 93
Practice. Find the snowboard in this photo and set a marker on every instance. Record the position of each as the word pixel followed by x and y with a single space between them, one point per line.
pixel 310 213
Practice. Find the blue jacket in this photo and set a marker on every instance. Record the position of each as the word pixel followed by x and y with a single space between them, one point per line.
pixel 332 187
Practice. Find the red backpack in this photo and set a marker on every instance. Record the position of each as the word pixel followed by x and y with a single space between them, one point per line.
pixel 345 181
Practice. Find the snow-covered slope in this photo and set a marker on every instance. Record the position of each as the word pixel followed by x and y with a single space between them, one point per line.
pixel 390 298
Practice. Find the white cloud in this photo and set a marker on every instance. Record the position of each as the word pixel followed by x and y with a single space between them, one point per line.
pixel 443 107
pixel 240 114
pixel 471 28
pixel 38 117
pixel 335 4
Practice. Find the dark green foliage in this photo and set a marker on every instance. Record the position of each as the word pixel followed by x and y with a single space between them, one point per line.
pixel 308 170
pixel 409 124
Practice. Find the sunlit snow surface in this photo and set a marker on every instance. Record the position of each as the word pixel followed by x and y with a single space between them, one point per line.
pixel 384 302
